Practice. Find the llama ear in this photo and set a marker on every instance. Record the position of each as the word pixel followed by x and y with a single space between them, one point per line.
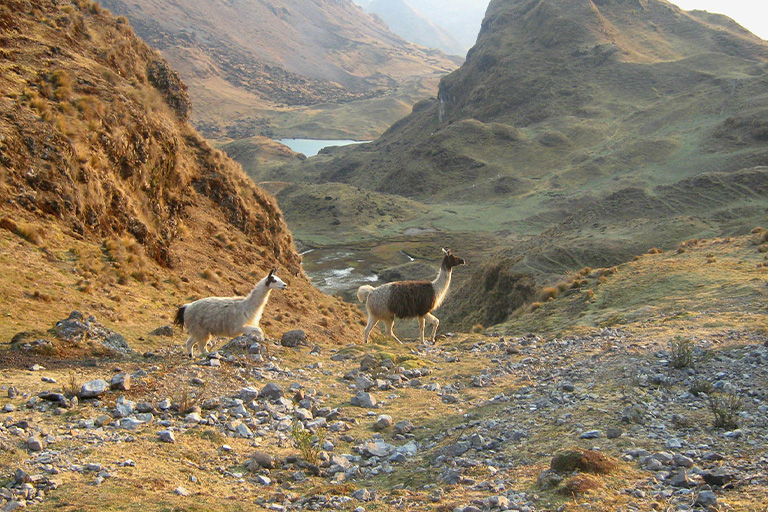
pixel 446 251
pixel 274 271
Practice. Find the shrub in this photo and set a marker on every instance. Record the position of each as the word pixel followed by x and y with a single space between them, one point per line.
pixel 682 352
pixel 725 409
pixel 307 443
pixel 700 386
pixel 548 292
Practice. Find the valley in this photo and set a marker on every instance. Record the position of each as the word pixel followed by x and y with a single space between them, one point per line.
pixel 601 166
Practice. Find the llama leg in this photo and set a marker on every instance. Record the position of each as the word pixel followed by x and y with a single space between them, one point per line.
pixel 202 345
pixel 190 345
pixel 435 322
pixel 421 328
pixel 390 325
pixel 371 324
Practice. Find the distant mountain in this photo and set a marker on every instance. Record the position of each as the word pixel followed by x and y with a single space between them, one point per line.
pixel 406 21
pixel 460 18
pixel 284 67
pixel 580 133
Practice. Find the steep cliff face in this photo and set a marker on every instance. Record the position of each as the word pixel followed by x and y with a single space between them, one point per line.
pixel 95 148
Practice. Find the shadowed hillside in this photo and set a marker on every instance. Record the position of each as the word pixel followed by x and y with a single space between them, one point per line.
pixel 109 196
pixel 288 68
pixel 580 133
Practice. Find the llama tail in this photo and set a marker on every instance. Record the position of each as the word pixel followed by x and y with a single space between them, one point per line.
pixel 363 292
pixel 179 319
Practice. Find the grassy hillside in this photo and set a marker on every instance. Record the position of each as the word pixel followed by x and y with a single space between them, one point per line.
pixel 111 201
pixel 577 134
pixel 287 68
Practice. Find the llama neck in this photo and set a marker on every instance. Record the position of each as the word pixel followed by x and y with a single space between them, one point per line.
pixel 441 284
pixel 257 299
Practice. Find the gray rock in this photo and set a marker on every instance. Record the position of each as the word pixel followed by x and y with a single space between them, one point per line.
pixel 167 436
pixel 591 434
pixel 404 427
pixel 706 499
pixel 166 330
pixel 367 363
pixel 294 338
pixel 260 460
pixel 77 328
pixel 383 422
pixel 613 433
pixel 120 382
pixel 181 491
pixel 363 495
pixel 93 388
pixel 271 392
pixel 363 399
pixel 35 444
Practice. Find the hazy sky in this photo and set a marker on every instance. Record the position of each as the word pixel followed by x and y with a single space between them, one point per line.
pixel 750 14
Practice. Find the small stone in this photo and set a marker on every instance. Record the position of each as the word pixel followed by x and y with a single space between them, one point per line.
pixel 35 444
pixel 706 499
pixel 613 433
pixel 120 382
pixel 271 392
pixel 167 436
pixel 165 330
pixel 404 427
pixel 383 422
pixel 363 399
pixel 591 434
pixel 93 388
pixel 181 491
pixel 36 367
pixel 294 338
pixel 260 460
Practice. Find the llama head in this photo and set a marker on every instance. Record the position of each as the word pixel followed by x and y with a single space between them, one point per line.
pixel 274 282
pixel 450 260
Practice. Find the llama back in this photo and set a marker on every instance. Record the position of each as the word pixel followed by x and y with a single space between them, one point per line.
pixel 408 299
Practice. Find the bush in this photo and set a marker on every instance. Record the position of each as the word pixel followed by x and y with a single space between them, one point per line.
pixel 305 442
pixel 682 352
pixel 725 409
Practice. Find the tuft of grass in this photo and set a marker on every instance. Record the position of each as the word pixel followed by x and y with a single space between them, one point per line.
pixel 700 386
pixel 682 352
pixel 725 409
pixel 306 442
pixel 580 484
pixel 71 386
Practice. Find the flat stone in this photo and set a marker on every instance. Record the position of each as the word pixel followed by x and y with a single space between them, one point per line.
pixel 93 388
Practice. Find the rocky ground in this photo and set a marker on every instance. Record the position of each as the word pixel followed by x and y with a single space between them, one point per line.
pixel 471 423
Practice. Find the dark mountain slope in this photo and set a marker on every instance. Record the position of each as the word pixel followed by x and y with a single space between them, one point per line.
pixel 96 152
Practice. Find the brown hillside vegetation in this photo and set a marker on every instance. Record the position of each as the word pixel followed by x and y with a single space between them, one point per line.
pixel 577 133
pixel 320 69
pixel 104 180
